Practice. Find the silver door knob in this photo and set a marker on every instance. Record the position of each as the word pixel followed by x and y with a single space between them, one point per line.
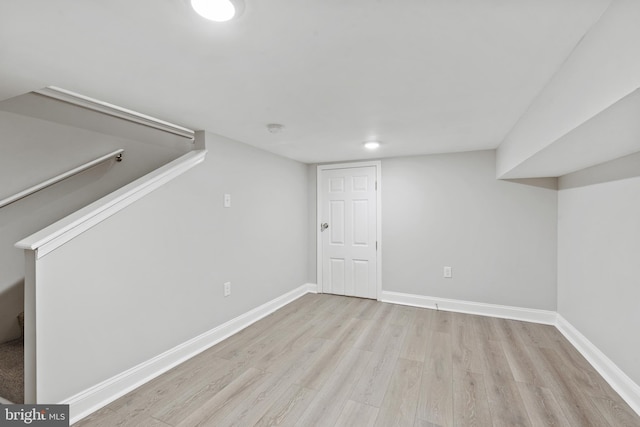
pixel 324 226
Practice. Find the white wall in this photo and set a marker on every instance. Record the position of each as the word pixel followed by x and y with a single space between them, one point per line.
pixel 449 210
pixel 34 150
pixel 128 310
pixel 599 259
pixel 603 68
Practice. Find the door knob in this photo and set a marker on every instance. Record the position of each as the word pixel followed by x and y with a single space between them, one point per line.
pixel 324 226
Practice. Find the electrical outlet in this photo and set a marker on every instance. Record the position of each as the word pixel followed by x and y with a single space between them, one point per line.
pixel 447 272
pixel 227 289
pixel 227 200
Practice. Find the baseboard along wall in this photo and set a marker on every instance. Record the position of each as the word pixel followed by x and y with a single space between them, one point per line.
pixel 617 379
pixel 90 400
pixel 545 317
pixel 94 398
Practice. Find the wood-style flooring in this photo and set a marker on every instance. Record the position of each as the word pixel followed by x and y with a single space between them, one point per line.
pixel 326 360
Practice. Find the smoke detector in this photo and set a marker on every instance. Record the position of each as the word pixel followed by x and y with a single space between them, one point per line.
pixel 275 127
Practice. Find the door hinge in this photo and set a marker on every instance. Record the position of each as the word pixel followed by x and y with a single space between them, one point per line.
pixel 376 245
pixel 376 185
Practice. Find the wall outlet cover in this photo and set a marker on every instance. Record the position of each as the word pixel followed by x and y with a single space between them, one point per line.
pixel 447 272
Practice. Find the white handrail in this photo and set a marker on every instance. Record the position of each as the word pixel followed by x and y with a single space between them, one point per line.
pixel 24 193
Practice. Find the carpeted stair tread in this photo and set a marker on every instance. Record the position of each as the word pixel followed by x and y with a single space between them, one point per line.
pixel 12 370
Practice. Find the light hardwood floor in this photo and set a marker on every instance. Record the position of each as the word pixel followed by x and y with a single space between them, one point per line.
pixel 327 360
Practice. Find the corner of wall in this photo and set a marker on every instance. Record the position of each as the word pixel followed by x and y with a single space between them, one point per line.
pixel 617 379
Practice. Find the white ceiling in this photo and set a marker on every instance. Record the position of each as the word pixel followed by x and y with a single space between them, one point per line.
pixel 422 76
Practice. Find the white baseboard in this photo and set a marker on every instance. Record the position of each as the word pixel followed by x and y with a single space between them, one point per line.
pixel 546 317
pixel 617 379
pixel 4 401
pixel 94 398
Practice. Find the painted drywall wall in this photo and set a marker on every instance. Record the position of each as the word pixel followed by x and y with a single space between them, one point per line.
pixel 449 210
pixel 129 309
pixel 598 253
pixel 34 150
pixel 603 68
pixel 622 168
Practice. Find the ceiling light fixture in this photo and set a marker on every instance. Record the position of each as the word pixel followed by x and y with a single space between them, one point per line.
pixel 372 145
pixel 215 10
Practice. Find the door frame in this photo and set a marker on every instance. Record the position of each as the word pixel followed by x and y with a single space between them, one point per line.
pixel 320 168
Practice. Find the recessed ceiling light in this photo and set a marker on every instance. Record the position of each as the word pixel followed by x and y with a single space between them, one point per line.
pixel 214 10
pixel 372 145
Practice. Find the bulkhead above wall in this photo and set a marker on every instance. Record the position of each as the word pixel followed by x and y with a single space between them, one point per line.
pixel 48 132
pixel 71 109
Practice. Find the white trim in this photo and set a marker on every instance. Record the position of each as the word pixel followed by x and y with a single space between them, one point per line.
pixel 349 165
pixel 317 228
pixel 612 374
pixel 545 317
pixel 617 379
pixel 59 233
pixel 113 110
pixel 320 168
pixel 94 398
pixel 4 401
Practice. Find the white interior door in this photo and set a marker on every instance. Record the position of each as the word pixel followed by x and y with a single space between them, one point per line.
pixel 348 222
